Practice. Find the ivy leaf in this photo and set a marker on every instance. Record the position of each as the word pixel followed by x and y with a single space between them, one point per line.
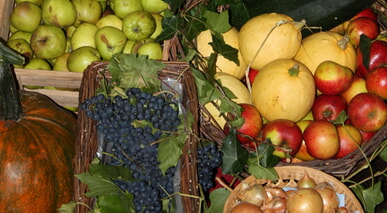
pixel 234 155
pixel 218 22
pixel 206 91
pixel 175 4
pixel 68 207
pixel 110 172
pixel 224 49
pixel 364 45
pixel 132 70
pixel 171 25
pixel 261 172
pixel 170 148
pixel 371 196
pixel 218 198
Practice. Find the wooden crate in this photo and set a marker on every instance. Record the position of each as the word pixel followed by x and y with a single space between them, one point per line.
pixel 68 82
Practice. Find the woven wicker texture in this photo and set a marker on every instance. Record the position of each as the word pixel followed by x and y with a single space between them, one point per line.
pixel 289 176
pixel 86 143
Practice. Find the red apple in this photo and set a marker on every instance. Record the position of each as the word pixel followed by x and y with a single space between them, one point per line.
pixel 328 107
pixel 332 78
pixel 378 57
pixel 322 139
pixel 302 152
pixel 362 26
pixel 358 85
pixel 376 82
pixel 286 135
pixel 251 127
pixel 350 140
pixel 252 74
pixel 367 112
pixel 368 12
pixel 367 136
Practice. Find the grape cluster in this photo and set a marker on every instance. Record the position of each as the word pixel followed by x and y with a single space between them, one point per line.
pixel 209 158
pixel 131 126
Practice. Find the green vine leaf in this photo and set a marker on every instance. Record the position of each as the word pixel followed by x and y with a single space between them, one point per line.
pixel 224 49
pixel 234 155
pixel 383 154
pixel 371 196
pixel 364 46
pixel 170 24
pixel 98 186
pixel 218 198
pixel 218 22
pixel 115 203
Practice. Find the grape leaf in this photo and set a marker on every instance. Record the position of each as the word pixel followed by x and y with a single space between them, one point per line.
pixel 97 185
pixel 218 198
pixel 170 148
pixel 383 154
pixel 227 51
pixel 261 172
pixel 110 172
pixel 68 207
pixel 122 203
pixel 370 197
pixel 171 25
pixel 132 70
pixel 205 90
pixel 234 155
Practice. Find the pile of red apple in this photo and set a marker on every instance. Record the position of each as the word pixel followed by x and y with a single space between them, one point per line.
pixel 349 108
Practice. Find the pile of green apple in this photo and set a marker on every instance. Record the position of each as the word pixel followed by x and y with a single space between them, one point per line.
pixel 67 35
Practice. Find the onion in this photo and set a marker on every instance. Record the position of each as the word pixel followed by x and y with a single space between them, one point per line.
pixel 275 205
pixel 255 194
pixel 246 208
pixel 306 182
pixel 275 192
pixel 304 200
pixel 329 196
pixel 343 209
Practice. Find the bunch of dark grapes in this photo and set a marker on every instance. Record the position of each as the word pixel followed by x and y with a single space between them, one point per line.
pixel 209 159
pixel 131 126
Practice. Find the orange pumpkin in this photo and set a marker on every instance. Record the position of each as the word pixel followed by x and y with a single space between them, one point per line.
pixel 36 146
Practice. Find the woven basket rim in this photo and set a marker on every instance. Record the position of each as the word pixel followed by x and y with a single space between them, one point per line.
pixel 288 177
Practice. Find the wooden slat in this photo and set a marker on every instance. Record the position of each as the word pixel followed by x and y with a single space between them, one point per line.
pixel 49 78
pixel 6 7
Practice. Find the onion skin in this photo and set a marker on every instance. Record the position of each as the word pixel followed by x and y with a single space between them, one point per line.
pixel 246 208
pixel 329 196
pixel 275 192
pixel 305 200
pixel 343 210
pixel 255 194
pixel 306 182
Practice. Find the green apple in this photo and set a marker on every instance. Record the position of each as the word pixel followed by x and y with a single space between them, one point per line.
pixel 61 63
pixel 83 35
pixel 159 25
pixel 61 13
pixel 70 30
pixel 48 41
pixel 138 25
pixel 37 2
pixel 21 46
pixel 123 7
pixel 26 16
pixel 154 6
pixel 109 41
pixel 88 11
pixel 110 20
pixel 129 46
pixel 37 64
pixel 81 58
pixel 22 35
pixel 152 49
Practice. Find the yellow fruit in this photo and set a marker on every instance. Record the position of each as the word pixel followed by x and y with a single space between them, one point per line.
pixel 223 65
pixel 236 87
pixel 262 39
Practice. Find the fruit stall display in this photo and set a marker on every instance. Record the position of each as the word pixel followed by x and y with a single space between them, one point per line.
pixel 265 86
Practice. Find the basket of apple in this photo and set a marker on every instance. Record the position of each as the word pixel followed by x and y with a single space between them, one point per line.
pixel 68 35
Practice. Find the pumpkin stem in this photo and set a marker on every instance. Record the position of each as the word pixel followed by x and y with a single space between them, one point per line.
pixel 294 70
pixel 343 42
pixel 10 105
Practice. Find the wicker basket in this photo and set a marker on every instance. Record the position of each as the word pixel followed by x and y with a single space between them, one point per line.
pixel 288 178
pixel 86 142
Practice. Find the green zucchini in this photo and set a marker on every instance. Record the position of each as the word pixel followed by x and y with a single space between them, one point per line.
pixel 322 14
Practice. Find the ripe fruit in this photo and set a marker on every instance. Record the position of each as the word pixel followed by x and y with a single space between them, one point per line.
pixel 82 57
pixel 350 140
pixel 48 41
pixel 271 92
pixel 223 64
pixel 324 46
pixel 332 78
pixel 138 25
pixel 302 152
pixel 328 107
pixel 378 57
pixel 322 139
pixel 246 208
pixel 61 13
pixel 252 125
pixel 306 200
pixel 358 85
pixel 376 82
pixel 285 135
pixel 83 35
pixel 362 26
pixel 252 74
pixel 26 16
pixel 123 7
pixel 109 41
pixel 260 44
pixel 367 112
pixel 88 11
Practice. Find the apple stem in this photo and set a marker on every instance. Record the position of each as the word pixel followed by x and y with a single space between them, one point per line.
pixel 343 42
